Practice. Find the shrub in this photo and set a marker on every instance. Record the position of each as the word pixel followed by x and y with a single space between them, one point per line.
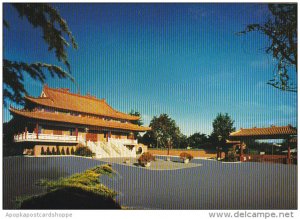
pixel 53 151
pixel 185 155
pixel 146 158
pixel 84 151
pixel 57 150
pixel 78 191
pixel 42 151
pixel 232 156
pixel 70 198
pixel 48 152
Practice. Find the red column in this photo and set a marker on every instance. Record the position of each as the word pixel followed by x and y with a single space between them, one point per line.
pixel 37 130
pixel 289 155
pixel 76 133
pixel 25 132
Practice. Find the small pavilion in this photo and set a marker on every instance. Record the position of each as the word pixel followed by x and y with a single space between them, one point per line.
pixel 242 136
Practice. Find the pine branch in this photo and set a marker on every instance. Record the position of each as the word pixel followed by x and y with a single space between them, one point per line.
pixel 54 27
pixel 13 78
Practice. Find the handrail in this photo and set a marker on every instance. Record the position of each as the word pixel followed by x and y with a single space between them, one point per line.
pixel 122 141
pixel 104 147
pixel 33 136
pixel 115 148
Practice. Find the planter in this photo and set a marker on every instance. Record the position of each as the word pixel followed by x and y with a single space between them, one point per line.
pixel 186 161
pixel 148 164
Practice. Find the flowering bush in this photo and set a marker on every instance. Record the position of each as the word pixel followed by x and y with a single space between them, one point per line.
pixel 84 151
pixel 185 155
pixel 146 158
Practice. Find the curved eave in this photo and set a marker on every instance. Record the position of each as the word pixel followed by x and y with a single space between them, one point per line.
pixel 78 120
pixel 270 136
pixel 45 101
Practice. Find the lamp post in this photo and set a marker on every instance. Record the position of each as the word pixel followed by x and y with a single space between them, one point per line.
pixel 169 143
pixel 219 147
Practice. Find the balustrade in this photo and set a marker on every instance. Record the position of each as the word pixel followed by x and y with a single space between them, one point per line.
pixel 43 137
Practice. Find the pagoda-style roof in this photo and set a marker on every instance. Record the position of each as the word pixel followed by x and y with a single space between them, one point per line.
pixel 273 132
pixel 87 121
pixel 63 99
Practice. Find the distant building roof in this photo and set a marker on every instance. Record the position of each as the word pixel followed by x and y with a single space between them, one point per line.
pixel 265 133
pixel 65 118
pixel 62 99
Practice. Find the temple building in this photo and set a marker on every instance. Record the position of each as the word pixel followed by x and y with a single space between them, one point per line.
pixel 59 121
pixel 243 138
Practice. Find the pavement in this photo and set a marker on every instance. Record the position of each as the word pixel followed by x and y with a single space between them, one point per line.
pixel 208 185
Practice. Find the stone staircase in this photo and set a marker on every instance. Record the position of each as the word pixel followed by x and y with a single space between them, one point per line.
pixel 110 149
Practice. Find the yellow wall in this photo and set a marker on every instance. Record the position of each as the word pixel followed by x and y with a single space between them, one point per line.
pixel 119 136
pixel 66 132
pixel 47 131
pixel 100 137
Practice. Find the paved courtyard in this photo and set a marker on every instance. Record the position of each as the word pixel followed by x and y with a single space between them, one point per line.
pixel 207 185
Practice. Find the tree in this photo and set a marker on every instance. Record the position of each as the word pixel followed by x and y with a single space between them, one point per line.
pixel 147 139
pixel 163 128
pixel 57 150
pixel 53 151
pixel 136 122
pixel 55 30
pixel 197 139
pixel 183 141
pixel 42 151
pixel 48 152
pixel 63 151
pixel 281 29
pixel 68 151
pixel 222 126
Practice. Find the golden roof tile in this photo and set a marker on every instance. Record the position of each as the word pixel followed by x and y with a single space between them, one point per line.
pixel 63 99
pixel 57 117
pixel 269 131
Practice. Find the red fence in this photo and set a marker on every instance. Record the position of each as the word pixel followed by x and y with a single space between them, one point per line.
pixel 176 152
pixel 265 158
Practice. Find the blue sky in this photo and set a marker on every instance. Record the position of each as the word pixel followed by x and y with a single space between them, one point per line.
pixel 181 59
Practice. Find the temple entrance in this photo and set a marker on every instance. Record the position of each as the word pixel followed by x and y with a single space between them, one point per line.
pixel 91 137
